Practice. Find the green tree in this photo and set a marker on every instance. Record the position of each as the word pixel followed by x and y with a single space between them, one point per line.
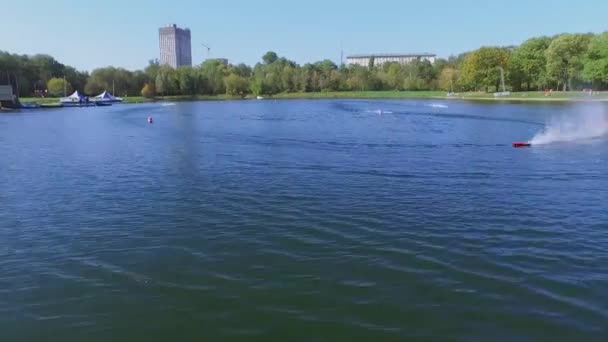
pixel 393 76
pixel 371 63
pixel 270 57
pixel 257 86
pixel 160 84
pixel 440 64
pixel 596 61
pixel 272 83
pixel 30 74
pixel 457 61
pixel 481 68
pixel 334 82
pixel 213 72
pixel 138 79
pixel 426 74
pixel 528 64
pixel 361 78
pixel 167 82
pixel 77 79
pixel 109 78
pixel 303 78
pixel 565 56
pixel 17 69
pixel 274 75
pixel 236 85
pixel 149 90
pixel 47 67
pixel 323 72
pixel 187 80
pixel 412 79
pixel 56 86
pixel 152 69
pixel 448 79
pixel 242 70
pixel 287 79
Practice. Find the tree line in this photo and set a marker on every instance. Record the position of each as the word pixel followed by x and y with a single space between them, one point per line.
pixel 562 62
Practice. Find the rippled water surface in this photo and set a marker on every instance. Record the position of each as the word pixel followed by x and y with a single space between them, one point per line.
pixel 301 220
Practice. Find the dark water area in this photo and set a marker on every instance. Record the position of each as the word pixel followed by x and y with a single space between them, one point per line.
pixel 336 220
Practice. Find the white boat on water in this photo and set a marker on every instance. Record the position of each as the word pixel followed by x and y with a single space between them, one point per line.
pixel 260 97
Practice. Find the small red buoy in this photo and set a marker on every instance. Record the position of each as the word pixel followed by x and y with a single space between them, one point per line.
pixel 518 144
pixel 150 119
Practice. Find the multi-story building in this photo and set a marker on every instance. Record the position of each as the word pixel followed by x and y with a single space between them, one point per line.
pixel 382 58
pixel 175 46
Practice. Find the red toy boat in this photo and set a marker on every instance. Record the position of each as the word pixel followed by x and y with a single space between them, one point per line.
pixel 521 144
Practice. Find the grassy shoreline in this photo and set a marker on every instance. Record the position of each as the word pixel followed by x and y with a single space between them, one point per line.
pixel 534 96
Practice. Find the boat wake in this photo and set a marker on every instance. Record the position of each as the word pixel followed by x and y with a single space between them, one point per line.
pixel 582 126
pixel 379 111
pixel 437 105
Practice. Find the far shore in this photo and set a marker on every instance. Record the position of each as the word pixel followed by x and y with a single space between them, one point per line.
pixel 517 97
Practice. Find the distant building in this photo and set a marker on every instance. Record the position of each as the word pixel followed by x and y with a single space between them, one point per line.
pixel 221 60
pixel 7 98
pixel 175 46
pixel 382 58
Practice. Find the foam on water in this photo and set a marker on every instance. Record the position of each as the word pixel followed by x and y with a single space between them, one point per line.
pixel 379 111
pixel 437 105
pixel 585 124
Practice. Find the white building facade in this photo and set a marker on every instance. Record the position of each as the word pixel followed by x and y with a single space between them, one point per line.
pixel 382 58
pixel 175 46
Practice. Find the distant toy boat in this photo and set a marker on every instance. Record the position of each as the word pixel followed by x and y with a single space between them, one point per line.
pixel 260 97
pixel 519 144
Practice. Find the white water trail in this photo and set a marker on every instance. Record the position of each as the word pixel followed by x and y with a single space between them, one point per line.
pixel 379 111
pixel 579 126
pixel 437 105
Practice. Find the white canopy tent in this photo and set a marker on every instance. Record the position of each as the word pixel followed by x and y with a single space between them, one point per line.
pixel 75 97
pixel 106 97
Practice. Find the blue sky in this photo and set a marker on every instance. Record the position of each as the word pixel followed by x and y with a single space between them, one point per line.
pixel 125 32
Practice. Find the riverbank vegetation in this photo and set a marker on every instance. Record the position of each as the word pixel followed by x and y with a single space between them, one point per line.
pixel 525 96
pixel 564 62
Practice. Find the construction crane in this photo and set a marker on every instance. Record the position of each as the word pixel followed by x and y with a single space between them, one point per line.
pixel 208 50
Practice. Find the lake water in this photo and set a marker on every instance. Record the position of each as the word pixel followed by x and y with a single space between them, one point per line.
pixel 335 220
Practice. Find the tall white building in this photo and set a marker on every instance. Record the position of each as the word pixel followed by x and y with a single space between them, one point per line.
pixel 175 46
pixel 382 58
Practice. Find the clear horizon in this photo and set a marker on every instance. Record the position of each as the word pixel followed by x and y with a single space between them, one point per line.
pixel 125 35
